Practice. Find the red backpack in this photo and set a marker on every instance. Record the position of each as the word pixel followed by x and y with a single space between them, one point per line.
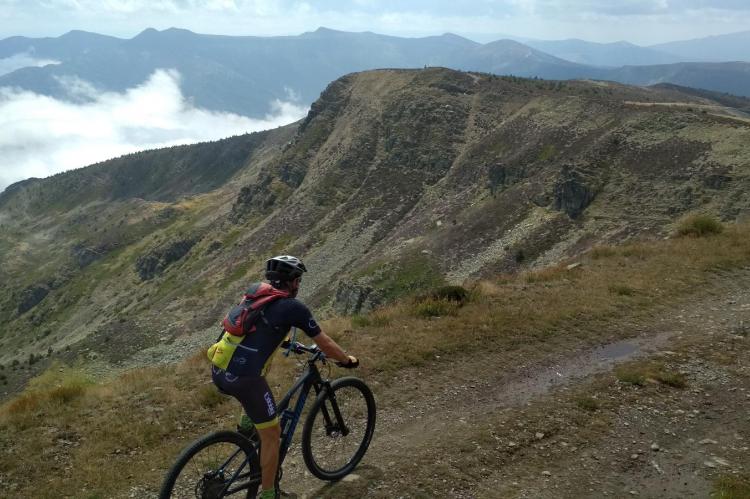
pixel 243 316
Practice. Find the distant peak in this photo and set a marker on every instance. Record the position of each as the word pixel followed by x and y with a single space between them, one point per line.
pixel 78 33
pixel 326 31
pixel 178 30
pixel 147 32
pixel 151 32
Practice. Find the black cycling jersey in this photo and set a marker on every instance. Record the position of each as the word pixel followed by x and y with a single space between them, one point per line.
pixel 252 356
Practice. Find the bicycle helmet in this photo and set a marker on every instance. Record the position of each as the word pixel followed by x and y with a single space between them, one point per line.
pixel 284 268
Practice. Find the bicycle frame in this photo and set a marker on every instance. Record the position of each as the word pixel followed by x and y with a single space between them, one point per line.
pixel 290 417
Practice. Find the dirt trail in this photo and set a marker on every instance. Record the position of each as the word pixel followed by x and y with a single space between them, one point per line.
pixel 446 399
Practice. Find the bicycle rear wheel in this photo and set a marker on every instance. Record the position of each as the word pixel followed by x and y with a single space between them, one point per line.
pixel 221 464
pixel 338 429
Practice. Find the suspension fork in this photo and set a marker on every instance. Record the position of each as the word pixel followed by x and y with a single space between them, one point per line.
pixel 335 423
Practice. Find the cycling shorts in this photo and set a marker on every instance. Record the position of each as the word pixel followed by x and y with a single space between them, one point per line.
pixel 252 392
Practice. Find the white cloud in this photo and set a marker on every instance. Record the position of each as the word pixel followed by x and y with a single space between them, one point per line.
pixel 22 60
pixel 42 135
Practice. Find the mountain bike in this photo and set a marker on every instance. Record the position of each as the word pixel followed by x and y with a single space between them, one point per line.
pixel 336 434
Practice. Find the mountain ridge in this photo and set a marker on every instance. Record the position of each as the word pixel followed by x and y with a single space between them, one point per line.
pixel 396 179
pixel 217 69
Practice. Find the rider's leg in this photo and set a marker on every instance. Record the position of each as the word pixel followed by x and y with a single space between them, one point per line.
pixel 270 435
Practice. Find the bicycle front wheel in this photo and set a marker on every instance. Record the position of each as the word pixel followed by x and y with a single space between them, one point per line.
pixel 221 464
pixel 338 429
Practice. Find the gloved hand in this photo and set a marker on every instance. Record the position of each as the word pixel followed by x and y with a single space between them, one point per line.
pixel 353 363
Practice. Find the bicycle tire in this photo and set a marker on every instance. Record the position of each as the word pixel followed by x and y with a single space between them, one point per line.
pixel 355 409
pixel 202 485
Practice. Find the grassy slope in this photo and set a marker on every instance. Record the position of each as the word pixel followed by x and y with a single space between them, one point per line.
pixel 76 430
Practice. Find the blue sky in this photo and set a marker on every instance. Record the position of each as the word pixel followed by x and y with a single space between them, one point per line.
pixel 639 21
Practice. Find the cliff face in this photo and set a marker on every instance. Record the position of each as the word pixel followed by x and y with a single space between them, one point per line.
pixel 396 180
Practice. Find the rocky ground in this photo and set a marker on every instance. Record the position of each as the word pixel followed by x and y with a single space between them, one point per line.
pixel 565 422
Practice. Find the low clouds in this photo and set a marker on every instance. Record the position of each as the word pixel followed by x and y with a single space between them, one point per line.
pixel 22 60
pixel 42 135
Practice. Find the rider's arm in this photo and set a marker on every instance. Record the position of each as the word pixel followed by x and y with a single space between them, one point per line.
pixel 331 348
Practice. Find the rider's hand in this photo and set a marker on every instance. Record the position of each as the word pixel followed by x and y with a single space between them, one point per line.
pixel 353 363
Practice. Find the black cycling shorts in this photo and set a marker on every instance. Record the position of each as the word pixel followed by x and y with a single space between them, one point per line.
pixel 252 392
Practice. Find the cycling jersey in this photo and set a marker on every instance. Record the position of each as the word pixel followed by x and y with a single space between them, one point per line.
pixel 253 355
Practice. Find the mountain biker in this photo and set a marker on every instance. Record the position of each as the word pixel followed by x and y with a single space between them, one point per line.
pixel 244 378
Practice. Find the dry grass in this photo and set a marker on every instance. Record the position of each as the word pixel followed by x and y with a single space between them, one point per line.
pixel 432 307
pixel 640 373
pixel 85 435
pixel 587 403
pixel 598 252
pixel 732 487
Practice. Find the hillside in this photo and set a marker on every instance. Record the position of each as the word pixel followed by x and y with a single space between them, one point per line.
pixel 217 71
pixel 728 77
pixel 729 47
pixel 610 375
pixel 396 180
pixel 604 54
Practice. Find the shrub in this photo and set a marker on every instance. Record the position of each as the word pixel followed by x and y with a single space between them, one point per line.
pixel 457 294
pixel 630 375
pixel 699 226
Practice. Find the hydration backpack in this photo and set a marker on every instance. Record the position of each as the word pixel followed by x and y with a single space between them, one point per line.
pixel 242 318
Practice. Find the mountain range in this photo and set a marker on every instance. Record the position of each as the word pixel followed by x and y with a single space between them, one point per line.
pixel 395 181
pixel 245 75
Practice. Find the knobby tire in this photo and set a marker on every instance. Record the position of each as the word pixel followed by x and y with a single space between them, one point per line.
pixel 357 408
pixel 188 463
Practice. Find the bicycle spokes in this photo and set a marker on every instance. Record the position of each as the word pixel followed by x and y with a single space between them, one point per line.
pixel 220 470
pixel 339 428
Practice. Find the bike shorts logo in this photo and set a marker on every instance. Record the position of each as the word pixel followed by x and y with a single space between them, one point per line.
pixel 270 404
pixel 312 324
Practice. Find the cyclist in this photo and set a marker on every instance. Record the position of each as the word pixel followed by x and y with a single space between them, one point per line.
pixel 244 378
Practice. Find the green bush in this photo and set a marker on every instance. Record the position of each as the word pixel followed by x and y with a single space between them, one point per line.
pixel 699 226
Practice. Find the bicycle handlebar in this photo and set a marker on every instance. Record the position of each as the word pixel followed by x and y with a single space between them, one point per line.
pixel 300 348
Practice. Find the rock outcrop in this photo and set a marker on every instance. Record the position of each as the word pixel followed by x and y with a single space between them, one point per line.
pixel 157 260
